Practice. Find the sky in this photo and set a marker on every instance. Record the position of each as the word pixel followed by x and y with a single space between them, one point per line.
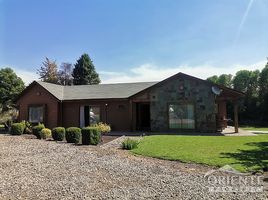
pixel 135 40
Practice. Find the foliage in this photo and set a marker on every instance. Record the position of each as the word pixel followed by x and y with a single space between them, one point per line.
pixel 84 72
pixel 48 71
pixel 73 135
pixel 45 133
pixel 37 130
pixel 8 116
pixel 103 127
pixel 65 74
pixel 129 144
pixel 224 79
pixel 58 133
pixel 10 87
pixel 230 150
pixel 91 135
pixel 17 128
pixel 254 106
pixel 28 127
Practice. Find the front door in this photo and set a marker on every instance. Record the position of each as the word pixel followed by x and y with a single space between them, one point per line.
pixel 143 117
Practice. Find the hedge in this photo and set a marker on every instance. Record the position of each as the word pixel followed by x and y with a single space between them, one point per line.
pixel 58 133
pixel 45 133
pixel 91 135
pixel 17 128
pixel 37 130
pixel 73 135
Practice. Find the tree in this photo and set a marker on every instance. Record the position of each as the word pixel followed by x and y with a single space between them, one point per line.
pixel 213 79
pixel 65 74
pixel 84 72
pixel 224 79
pixel 263 93
pixel 48 71
pixel 247 82
pixel 10 87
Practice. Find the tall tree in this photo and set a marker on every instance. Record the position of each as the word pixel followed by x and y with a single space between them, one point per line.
pixel 65 74
pixel 247 82
pixel 223 79
pixel 48 71
pixel 84 72
pixel 10 87
pixel 263 93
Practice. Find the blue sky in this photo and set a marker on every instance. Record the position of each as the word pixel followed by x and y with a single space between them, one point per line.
pixel 135 40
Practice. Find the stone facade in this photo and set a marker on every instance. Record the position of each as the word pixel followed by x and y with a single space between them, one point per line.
pixel 183 90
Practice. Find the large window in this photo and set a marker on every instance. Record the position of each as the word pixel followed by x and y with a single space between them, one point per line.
pixel 36 114
pixel 94 112
pixel 89 115
pixel 181 116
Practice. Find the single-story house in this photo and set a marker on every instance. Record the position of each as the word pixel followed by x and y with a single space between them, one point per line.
pixel 178 103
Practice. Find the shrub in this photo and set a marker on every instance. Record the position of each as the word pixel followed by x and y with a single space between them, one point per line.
pixel 73 135
pixel 129 144
pixel 45 133
pixel 37 130
pixel 28 127
pixel 91 135
pixel 58 133
pixel 103 127
pixel 17 128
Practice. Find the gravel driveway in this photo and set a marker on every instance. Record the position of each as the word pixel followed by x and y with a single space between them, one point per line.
pixel 35 169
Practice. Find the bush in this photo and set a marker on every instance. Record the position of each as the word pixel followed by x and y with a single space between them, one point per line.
pixel 91 135
pixel 37 130
pixel 45 133
pixel 103 127
pixel 73 135
pixel 129 144
pixel 58 133
pixel 28 127
pixel 17 128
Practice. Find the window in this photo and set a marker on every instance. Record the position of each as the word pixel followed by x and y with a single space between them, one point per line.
pixel 36 114
pixel 181 116
pixel 94 113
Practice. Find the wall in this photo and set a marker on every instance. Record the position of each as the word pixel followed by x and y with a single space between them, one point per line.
pixel 182 90
pixel 38 95
pixel 117 113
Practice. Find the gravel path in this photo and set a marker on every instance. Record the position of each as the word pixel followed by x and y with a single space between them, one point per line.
pixel 35 169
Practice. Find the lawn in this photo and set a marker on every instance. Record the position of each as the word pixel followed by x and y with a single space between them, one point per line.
pixel 245 153
pixel 253 128
pixel 2 126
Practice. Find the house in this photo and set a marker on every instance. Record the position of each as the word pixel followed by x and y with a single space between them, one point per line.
pixel 178 103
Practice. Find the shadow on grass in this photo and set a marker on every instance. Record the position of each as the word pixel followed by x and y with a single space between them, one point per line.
pixel 252 158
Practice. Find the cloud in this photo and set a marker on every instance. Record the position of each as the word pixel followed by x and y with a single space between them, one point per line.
pixel 149 72
pixel 26 76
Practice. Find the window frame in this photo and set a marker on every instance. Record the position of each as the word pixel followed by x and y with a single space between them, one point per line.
pixel 36 106
pixel 179 104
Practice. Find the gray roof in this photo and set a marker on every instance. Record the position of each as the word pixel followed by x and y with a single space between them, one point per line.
pixel 101 91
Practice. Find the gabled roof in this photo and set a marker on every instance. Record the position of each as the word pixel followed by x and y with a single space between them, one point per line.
pixel 116 90
pixel 101 91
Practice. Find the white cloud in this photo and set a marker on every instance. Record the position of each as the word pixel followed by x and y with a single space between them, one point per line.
pixel 149 72
pixel 26 76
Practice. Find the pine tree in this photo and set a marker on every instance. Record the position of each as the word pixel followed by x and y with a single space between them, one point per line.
pixel 48 71
pixel 84 72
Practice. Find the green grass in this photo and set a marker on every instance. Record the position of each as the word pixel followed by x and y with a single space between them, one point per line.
pixel 245 153
pixel 2 126
pixel 253 128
